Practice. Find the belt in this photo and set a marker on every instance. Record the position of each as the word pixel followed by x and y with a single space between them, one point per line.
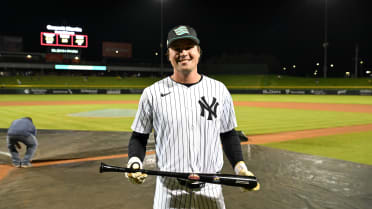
pixel 191 184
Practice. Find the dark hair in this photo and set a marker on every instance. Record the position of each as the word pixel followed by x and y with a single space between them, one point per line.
pixel 29 118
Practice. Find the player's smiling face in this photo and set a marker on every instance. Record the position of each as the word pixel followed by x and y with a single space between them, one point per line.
pixel 184 55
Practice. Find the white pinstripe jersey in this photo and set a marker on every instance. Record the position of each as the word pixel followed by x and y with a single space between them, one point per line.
pixel 187 123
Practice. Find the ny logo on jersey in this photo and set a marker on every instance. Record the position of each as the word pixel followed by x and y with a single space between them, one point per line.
pixel 212 109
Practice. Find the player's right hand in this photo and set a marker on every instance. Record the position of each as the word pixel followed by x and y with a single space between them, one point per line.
pixel 138 177
pixel 241 169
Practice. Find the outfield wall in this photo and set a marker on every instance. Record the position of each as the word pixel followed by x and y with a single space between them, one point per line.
pixel 366 92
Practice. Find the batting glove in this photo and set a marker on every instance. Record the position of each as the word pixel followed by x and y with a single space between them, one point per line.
pixel 138 177
pixel 242 170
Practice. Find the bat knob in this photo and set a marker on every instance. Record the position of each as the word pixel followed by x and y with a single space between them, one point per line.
pixel 102 167
pixel 194 177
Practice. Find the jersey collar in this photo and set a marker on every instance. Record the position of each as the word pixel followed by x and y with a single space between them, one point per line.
pixel 188 84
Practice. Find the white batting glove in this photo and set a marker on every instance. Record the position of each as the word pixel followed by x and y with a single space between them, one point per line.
pixel 138 177
pixel 242 170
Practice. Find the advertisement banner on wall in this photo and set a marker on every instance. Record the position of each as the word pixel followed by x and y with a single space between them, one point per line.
pixel 11 43
pixel 116 49
pixel 365 92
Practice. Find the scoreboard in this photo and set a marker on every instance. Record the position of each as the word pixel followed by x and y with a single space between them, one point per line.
pixel 63 40
pixel 64 44
pixel 63 36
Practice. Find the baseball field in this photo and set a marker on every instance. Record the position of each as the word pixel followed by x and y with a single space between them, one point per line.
pixel 308 151
pixel 338 127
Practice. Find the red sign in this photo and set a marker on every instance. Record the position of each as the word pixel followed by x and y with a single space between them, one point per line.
pixel 55 58
pixel 63 40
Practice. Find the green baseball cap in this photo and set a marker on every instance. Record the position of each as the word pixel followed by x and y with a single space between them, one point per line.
pixel 182 32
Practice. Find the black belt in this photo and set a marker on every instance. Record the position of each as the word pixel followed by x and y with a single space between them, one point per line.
pixel 191 184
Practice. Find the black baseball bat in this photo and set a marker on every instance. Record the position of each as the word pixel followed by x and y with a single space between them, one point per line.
pixel 248 182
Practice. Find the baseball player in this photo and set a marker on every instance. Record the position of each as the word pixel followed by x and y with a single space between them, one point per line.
pixel 191 115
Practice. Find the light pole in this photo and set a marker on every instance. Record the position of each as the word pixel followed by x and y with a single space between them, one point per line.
pixel 161 37
pixel 356 60
pixel 325 43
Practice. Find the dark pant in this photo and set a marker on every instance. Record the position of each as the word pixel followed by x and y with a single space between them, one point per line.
pixel 29 141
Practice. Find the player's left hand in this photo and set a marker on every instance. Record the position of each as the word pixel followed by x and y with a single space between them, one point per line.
pixel 241 169
pixel 18 145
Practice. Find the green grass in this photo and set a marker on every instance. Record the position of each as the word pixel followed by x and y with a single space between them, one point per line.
pixel 355 147
pixel 332 99
pixel 255 120
pixel 273 81
pixel 75 97
pixel 251 120
pixel 78 80
pixel 57 117
pixel 231 81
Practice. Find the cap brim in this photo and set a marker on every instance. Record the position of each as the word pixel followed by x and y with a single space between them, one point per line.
pixel 196 40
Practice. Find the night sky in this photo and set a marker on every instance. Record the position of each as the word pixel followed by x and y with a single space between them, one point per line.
pixel 291 30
